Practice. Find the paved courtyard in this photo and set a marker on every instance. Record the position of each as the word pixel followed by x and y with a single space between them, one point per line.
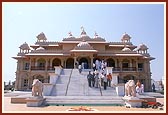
pixel 9 107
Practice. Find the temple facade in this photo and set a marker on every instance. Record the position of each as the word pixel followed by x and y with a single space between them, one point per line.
pixel 38 60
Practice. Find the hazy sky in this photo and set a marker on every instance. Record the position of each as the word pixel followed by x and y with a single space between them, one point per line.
pixel 22 22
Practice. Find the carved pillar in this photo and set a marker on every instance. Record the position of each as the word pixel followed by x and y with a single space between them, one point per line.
pixel 120 64
pixel 91 59
pixel 74 62
pixel 136 64
pixel 21 64
pixel 50 63
pixel 19 82
pixel 130 64
pixel 30 64
pixel 65 62
pixel 116 65
pixel 62 62
pixel 46 64
pixel 35 62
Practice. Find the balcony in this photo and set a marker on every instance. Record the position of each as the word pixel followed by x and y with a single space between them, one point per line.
pixel 116 69
pixel 42 68
pixel 37 68
pixel 128 69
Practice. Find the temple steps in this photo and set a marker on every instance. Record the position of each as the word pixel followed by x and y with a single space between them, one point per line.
pixel 84 100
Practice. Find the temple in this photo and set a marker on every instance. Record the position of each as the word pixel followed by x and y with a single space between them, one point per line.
pixel 38 60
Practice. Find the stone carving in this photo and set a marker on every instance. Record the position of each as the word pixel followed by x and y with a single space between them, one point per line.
pixel 37 88
pixel 130 88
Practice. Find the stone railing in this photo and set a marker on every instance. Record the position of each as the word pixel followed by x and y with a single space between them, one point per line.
pixel 49 87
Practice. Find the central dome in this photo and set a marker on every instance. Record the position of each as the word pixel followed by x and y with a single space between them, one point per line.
pixel 83 46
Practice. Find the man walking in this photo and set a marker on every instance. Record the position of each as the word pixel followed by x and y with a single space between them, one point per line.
pixel 109 79
pixel 105 81
pixel 89 77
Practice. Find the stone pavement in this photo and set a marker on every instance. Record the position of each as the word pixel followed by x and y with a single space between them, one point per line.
pixel 8 107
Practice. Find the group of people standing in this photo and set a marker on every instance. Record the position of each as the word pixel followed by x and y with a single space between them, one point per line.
pixel 99 76
pixel 97 80
pixel 99 65
pixel 139 87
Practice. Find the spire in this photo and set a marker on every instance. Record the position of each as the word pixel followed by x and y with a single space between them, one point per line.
pixel 70 34
pixel 83 31
pixel 96 35
pixel 82 28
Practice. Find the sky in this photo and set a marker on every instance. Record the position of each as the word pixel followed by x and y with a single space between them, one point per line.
pixel 22 22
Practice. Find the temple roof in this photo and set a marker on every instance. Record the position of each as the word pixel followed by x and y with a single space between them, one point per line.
pixel 41 36
pixel 24 46
pixel 126 49
pixel 125 37
pixel 84 36
pixel 142 47
pixel 40 48
pixel 83 46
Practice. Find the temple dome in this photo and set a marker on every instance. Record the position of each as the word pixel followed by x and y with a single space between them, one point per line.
pixel 41 36
pixel 70 35
pixel 25 46
pixel 96 36
pixel 84 34
pixel 83 46
pixel 40 48
pixel 142 47
pixel 125 37
pixel 125 49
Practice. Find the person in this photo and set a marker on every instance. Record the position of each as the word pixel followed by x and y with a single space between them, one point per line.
pixel 94 67
pixel 93 79
pixel 105 81
pixel 142 88
pixel 138 86
pixel 76 64
pixel 82 65
pixel 153 87
pixel 96 80
pixel 80 68
pixel 109 79
pixel 101 78
pixel 89 77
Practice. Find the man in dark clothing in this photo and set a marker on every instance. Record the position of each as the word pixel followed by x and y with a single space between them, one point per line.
pixel 89 77
pixel 153 87
pixel 105 81
pixel 93 79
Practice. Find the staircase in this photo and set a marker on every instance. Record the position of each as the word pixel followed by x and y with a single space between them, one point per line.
pixel 84 100
pixel 78 84
pixel 61 84
pixel 72 88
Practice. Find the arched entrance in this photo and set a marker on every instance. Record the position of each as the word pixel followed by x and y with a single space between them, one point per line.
pixel 84 61
pixel 70 63
pixel 56 62
pixel 94 60
pixel 110 62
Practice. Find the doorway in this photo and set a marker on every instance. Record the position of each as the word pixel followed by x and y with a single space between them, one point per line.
pixel 84 62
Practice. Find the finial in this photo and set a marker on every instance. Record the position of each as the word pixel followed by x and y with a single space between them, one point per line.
pixel 70 33
pixel 96 35
pixel 82 28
